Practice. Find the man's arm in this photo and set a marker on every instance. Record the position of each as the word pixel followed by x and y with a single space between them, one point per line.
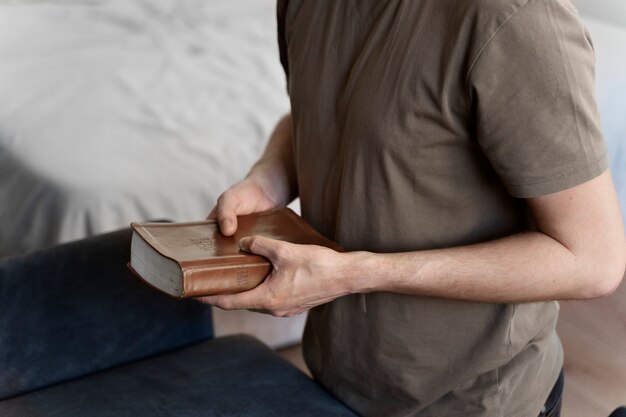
pixel 578 251
pixel 271 182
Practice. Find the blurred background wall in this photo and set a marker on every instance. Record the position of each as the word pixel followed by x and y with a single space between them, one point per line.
pixel 611 10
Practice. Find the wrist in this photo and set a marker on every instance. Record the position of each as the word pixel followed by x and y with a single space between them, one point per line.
pixel 271 183
pixel 360 271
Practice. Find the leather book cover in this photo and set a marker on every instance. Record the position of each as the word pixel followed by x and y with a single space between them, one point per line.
pixel 212 263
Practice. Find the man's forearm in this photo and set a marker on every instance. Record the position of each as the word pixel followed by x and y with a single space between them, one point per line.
pixel 525 267
pixel 578 251
pixel 275 170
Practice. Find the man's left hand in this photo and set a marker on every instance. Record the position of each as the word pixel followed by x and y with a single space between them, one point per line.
pixel 303 276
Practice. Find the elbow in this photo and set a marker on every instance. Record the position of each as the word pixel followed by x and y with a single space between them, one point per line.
pixel 607 275
pixel 616 274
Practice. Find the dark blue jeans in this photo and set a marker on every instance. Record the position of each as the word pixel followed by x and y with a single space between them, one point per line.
pixel 552 408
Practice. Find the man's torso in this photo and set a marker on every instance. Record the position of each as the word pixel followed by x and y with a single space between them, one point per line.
pixel 388 161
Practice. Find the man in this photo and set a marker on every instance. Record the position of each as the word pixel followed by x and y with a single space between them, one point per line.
pixel 453 148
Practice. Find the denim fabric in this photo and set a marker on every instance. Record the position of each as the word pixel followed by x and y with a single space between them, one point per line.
pixel 233 376
pixel 552 408
pixel 620 412
pixel 76 309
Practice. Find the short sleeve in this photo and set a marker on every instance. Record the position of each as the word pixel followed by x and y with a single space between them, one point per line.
pixel 281 10
pixel 532 92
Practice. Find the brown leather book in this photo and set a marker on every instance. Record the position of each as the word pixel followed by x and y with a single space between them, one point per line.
pixel 195 259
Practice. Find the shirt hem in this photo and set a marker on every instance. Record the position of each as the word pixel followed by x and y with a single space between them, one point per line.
pixel 537 405
pixel 559 182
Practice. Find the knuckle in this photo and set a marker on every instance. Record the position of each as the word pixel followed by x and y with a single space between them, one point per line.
pixel 279 313
pixel 220 209
pixel 225 304
pixel 254 243
pixel 221 200
pixel 227 198
pixel 271 304
pixel 203 300
pixel 282 251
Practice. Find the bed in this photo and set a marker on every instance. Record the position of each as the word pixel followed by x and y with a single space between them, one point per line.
pixel 124 110
pixel 114 111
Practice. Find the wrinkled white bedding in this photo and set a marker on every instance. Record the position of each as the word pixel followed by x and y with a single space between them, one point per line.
pixel 120 110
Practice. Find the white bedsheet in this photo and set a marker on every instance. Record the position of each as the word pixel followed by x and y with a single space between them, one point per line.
pixel 120 110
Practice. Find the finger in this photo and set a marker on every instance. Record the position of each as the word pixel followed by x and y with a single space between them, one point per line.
pixel 252 299
pixel 259 245
pixel 226 210
pixel 212 214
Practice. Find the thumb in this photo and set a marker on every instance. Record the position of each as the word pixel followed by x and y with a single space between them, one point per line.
pixel 226 212
pixel 260 245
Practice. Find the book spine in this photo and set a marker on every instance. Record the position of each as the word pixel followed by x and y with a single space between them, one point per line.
pixel 203 281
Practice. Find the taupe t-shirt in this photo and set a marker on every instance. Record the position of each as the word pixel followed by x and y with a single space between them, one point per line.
pixel 423 124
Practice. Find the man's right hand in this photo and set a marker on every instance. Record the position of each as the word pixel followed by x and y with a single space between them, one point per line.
pixel 271 182
pixel 245 197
